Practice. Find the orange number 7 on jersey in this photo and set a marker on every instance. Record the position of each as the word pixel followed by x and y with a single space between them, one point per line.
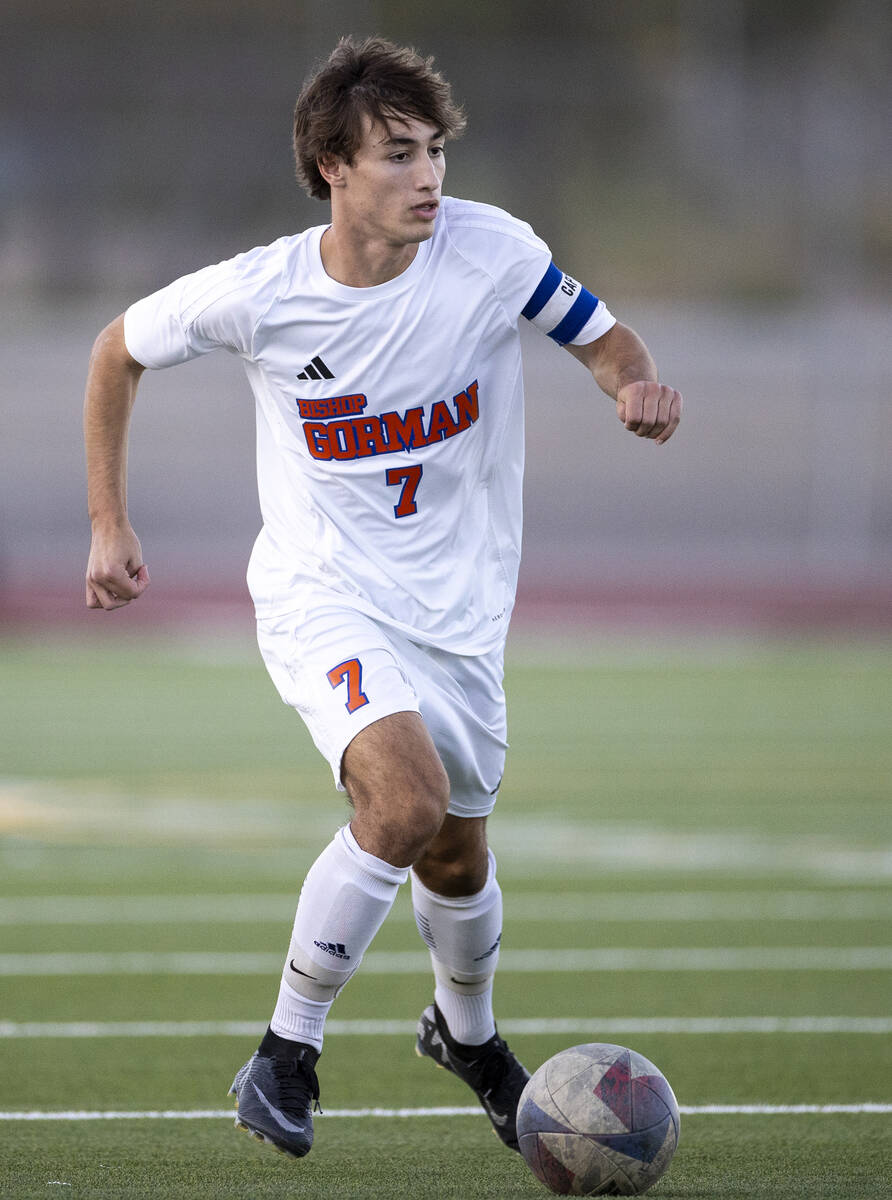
pixel 351 671
pixel 409 477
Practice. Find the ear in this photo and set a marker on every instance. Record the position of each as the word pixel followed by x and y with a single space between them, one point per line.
pixel 331 168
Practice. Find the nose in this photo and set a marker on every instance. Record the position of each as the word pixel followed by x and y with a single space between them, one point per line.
pixel 428 178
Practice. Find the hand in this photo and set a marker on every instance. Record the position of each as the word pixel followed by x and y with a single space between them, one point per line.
pixel 649 410
pixel 116 573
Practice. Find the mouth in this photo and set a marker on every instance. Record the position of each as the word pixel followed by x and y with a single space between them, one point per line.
pixel 427 210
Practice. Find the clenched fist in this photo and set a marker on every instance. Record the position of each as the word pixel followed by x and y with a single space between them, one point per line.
pixel 649 410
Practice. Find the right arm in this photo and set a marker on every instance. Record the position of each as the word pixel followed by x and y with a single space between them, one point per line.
pixel 116 573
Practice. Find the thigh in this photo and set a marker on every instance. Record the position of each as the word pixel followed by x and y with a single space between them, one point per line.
pixel 344 673
pixel 398 788
pixel 463 704
pixel 341 673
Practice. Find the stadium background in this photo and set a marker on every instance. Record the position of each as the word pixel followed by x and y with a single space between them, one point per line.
pixel 698 827
pixel 719 173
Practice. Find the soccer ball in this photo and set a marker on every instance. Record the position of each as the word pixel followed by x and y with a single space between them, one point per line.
pixel 597 1120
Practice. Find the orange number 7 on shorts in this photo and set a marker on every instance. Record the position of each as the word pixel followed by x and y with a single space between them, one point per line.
pixel 351 672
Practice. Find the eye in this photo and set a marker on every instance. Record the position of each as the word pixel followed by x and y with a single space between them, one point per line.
pixel 400 156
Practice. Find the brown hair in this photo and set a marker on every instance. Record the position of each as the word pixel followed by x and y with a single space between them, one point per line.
pixel 374 78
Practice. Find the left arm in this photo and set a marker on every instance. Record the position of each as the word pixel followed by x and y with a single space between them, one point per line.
pixel 622 367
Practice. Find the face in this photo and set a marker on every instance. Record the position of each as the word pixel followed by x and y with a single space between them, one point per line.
pixel 391 190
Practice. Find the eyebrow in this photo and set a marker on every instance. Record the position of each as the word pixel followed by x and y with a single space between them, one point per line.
pixel 409 141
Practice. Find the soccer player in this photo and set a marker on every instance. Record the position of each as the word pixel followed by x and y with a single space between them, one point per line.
pixel 384 357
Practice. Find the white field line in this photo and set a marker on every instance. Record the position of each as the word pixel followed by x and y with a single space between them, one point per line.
pixel 199 1114
pixel 414 962
pixel 537 1025
pixel 805 905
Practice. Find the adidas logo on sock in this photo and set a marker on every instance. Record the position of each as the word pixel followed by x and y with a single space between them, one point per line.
pixel 316 370
pixel 335 949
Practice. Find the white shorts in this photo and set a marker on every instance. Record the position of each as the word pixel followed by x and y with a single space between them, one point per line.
pixel 341 671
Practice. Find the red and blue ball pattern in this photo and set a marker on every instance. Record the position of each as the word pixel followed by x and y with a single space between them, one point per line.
pixel 598 1120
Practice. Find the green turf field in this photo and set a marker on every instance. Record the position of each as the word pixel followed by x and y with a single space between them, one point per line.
pixel 705 829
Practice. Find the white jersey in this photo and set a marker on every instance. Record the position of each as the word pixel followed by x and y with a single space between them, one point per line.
pixel 389 418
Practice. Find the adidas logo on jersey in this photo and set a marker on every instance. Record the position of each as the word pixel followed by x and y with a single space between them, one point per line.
pixel 316 370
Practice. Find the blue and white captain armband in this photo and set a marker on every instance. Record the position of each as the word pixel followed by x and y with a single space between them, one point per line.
pixel 565 310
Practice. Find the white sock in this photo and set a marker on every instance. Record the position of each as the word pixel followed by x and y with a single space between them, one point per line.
pixel 463 935
pixel 299 1019
pixel 345 897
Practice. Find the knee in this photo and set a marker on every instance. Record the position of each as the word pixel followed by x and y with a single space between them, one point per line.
pixel 398 787
pixel 400 828
pixel 453 867
pixel 417 826
pixel 447 877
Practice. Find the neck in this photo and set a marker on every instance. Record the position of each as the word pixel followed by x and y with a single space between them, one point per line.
pixel 358 261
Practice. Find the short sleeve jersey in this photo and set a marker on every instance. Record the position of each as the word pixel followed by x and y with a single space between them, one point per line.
pixel 389 418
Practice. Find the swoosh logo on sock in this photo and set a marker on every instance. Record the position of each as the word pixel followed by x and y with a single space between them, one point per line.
pixel 276 1114
pixel 298 971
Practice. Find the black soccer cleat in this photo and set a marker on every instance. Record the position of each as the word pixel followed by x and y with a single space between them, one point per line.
pixel 276 1091
pixel 490 1070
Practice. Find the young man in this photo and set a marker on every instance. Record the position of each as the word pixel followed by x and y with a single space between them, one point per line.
pixel 383 353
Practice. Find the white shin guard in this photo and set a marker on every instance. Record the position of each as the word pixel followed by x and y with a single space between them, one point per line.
pixel 346 895
pixel 463 935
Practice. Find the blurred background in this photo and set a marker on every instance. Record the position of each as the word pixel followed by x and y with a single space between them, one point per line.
pixel 719 173
pixel 708 813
